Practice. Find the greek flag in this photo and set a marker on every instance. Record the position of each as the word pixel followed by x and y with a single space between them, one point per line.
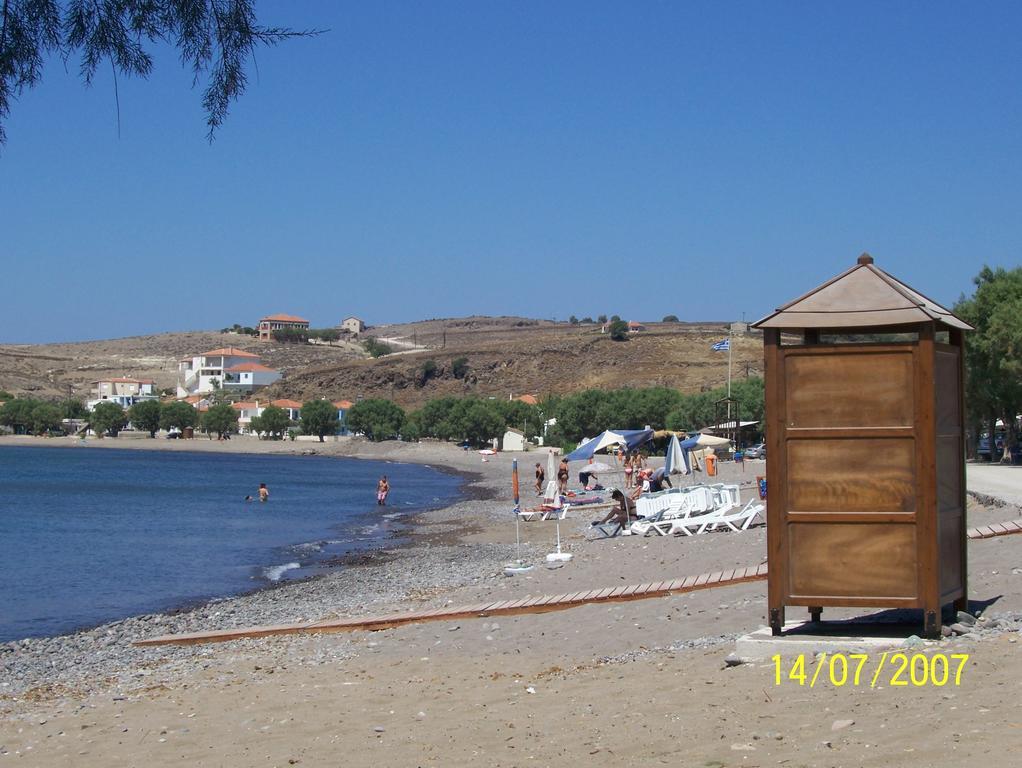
pixel 722 346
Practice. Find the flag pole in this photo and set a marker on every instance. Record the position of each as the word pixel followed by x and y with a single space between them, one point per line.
pixel 729 373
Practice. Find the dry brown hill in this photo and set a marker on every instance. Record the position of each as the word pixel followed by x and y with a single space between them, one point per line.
pixel 505 355
pixel 514 356
pixel 57 370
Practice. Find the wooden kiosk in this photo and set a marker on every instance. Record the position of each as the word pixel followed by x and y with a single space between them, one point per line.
pixel 866 467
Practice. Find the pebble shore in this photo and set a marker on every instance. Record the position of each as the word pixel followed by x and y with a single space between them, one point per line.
pixel 104 658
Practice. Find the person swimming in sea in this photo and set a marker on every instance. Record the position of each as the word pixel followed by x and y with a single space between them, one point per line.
pixel 264 492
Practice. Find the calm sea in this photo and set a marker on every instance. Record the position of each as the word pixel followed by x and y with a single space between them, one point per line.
pixel 90 535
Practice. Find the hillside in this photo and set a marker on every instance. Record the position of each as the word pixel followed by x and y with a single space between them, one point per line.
pixel 57 370
pixel 514 356
pixel 505 356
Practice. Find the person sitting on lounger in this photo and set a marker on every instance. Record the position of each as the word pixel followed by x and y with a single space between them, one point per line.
pixel 623 513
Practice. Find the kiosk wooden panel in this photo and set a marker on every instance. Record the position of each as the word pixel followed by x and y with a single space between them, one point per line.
pixel 865 470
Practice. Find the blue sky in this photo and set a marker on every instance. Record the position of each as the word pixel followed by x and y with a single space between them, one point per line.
pixel 423 160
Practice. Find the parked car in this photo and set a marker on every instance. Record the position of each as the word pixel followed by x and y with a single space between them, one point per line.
pixel 757 451
pixel 983 447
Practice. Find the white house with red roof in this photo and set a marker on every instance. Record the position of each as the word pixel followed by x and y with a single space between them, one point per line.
pixel 271 323
pixel 228 367
pixel 123 391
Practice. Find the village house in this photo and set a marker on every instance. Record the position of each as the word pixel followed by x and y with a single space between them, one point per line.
pixel 514 440
pixel 272 323
pixel 352 325
pixel 343 406
pixel 228 368
pixel 123 391
pixel 635 326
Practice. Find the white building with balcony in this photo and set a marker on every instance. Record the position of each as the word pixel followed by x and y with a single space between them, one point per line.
pixel 228 368
pixel 123 391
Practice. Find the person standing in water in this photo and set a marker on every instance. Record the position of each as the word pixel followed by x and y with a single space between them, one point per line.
pixel 382 489
pixel 264 492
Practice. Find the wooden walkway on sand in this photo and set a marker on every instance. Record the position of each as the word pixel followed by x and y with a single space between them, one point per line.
pixel 541 604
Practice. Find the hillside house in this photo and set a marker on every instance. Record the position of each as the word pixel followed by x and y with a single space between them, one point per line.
pixel 635 327
pixel 228 367
pixel 123 391
pixel 292 408
pixel 343 406
pixel 272 323
pixel 352 325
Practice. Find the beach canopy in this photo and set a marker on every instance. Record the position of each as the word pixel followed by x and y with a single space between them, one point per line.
pixel 695 443
pixel 631 439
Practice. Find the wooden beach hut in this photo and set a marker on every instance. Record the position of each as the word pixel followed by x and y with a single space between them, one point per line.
pixel 866 467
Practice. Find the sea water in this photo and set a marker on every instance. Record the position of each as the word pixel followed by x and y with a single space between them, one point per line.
pixel 90 535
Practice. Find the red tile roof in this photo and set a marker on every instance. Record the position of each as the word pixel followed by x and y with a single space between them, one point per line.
pixel 287 404
pixel 285 319
pixel 125 381
pixel 229 352
pixel 244 406
pixel 343 405
pixel 249 367
pixel 528 399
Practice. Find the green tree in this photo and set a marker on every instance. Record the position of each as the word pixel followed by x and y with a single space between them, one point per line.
pixel 426 372
pixel 573 320
pixel 587 320
pixel 222 419
pixel 459 367
pixel 376 348
pixel 291 335
pixel 217 38
pixel 178 415
pixel 671 319
pixel 255 426
pixel 482 423
pixel 108 419
pixel 5 395
pixel 145 415
pixel 601 319
pixel 993 356
pixel 17 414
pixel 73 409
pixel 376 419
pixel 615 318
pixel 45 416
pixel 325 334
pixel 618 330
pixel 274 422
pixel 319 417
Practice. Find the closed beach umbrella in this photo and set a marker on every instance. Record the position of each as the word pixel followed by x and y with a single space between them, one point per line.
pixel 550 494
pixel 551 466
pixel 675 463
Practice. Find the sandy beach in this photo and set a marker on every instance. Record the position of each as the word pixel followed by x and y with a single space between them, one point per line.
pixel 642 682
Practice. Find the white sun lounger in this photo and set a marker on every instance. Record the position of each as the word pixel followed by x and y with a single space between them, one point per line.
pixel 735 521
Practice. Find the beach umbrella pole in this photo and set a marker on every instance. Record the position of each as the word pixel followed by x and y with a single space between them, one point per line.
pixel 518 566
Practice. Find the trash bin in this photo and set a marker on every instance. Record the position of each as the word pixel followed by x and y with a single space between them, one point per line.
pixel 761 484
pixel 711 466
pixel 188 433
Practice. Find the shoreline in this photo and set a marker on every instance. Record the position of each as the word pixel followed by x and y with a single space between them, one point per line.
pixel 375 555
pixel 505 690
